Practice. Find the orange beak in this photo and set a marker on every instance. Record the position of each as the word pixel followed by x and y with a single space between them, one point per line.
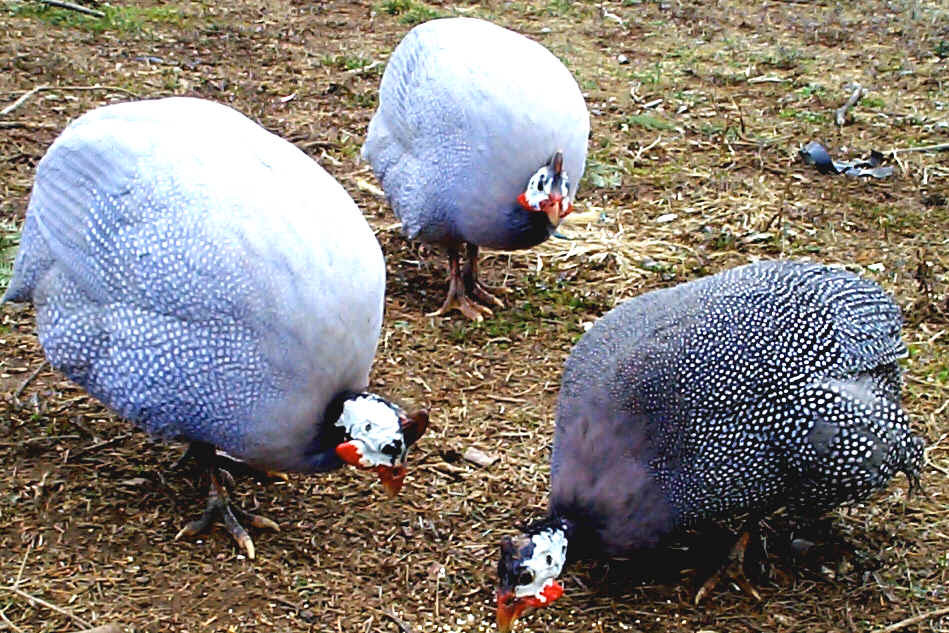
pixel 553 207
pixel 509 609
pixel 391 478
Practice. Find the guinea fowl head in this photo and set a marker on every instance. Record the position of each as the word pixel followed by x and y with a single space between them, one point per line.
pixel 548 191
pixel 379 436
pixel 528 569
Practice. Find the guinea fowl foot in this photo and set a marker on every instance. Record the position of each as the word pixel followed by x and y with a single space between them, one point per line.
pixel 734 567
pixel 480 292
pixel 219 502
pixel 460 302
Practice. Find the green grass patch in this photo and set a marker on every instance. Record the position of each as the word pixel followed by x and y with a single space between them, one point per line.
pixel 872 102
pixel 350 62
pixel 650 76
pixel 649 122
pixel 803 115
pixel 123 19
pixel 410 12
pixel 811 90
pixel 603 175
pixel 9 241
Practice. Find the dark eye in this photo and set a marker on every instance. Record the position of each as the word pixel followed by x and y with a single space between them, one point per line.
pixel 368 426
pixel 540 183
pixel 549 559
pixel 526 577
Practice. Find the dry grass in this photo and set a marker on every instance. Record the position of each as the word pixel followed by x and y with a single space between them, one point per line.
pixel 692 169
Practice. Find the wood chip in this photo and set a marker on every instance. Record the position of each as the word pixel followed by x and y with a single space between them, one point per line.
pixel 479 458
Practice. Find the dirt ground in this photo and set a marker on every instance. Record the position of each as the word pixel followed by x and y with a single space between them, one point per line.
pixel 698 110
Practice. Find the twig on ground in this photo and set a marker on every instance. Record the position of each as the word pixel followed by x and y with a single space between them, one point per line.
pixel 19 576
pixel 29 379
pixel 22 99
pixel 902 624
pixel 30 125
pixel 841 116
pixel 403 626
pixel 643 150
pixel 95 447
pixel 6 621
pixel 47 88
pixel 48 605
pixel 62 4
pixel 105 628
pixel 938 147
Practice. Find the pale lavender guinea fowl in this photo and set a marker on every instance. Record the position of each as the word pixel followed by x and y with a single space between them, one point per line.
pixel 480 139
pixel 768 385
pixel 210 282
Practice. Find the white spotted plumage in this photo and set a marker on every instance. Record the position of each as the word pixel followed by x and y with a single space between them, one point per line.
pixel 771 384
pixel 203 277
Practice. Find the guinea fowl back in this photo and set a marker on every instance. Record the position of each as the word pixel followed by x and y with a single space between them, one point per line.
pixel 147 273
pixel 743 390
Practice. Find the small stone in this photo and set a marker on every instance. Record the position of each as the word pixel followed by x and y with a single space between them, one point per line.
pixel 623 59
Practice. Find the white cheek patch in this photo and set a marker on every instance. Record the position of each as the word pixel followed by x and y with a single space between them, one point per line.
pixel 550 552
pixel 375 425
pixel 535 194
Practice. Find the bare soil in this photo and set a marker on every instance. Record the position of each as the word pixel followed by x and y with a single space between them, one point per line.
pixel 698 111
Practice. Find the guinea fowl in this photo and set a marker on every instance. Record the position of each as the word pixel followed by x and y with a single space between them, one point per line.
pixel 480 139
pixel 772 384
pixel 210 282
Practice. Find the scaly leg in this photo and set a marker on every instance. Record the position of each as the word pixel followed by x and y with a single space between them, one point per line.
pixel 457 299
pixel 734 567
pixel 474 285
pixel 219 502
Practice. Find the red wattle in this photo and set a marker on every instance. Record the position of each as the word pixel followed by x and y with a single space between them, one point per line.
pixel 550 593
pixel 349 452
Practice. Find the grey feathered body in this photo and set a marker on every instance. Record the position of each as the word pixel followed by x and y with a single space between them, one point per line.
pixel 773 384
pixel 468 111
pixel 202 277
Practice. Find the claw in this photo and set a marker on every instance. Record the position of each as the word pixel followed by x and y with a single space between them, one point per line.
pixel 734 565
pixel 218 502
pixel 480 291
pixel 463 304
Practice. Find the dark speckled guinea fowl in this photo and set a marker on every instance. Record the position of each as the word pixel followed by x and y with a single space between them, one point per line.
pixel 772 384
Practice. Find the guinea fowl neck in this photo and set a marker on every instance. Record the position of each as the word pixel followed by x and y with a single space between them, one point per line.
pixel 524 229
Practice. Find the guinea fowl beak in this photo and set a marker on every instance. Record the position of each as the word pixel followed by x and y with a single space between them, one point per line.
pixel 553 207
pixel 509 608
pixel 391 478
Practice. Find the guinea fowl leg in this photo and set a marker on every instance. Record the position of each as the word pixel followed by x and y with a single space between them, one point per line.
pixel 474 285
pixel 457 299
pixel 219 503
pixel 734 567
